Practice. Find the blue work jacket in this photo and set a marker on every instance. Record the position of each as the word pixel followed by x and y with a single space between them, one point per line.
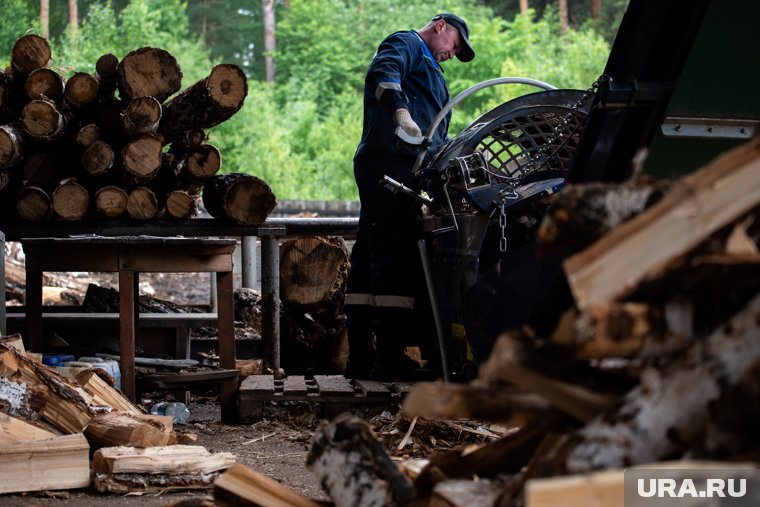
pixel 405 74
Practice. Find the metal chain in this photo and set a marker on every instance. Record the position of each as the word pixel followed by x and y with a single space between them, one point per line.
pixel 503 227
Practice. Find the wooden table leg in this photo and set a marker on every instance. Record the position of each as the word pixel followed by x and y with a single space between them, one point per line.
pixel 33 325
pixel 127 319
pixel 226 342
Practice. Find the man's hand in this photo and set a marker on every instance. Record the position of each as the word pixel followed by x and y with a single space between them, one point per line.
pixel 403 119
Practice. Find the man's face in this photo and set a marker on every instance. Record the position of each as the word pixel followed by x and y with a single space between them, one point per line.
pixel 446 43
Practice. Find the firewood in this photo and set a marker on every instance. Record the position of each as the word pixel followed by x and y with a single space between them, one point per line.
pixel 97 159
pixel 181 204
pixel 111 201
pixel 239 485
pixel 15 341
pixel 141 116
pixel 33 204
pixel 645 428
pixel 353 467
pixel 125 469
pixel 45 84
pixel 242 198
pixel 148 72
pixel 11 146
pixel 68 408
pixel 141 159
pixel 41 119
pixel 505 366
pixel 81 89
pixel 313 272
pixel 201 163
pixel 87 135
pixel 465 493
pixel 61 462
pixel 104 393
pixel 135 430
pixel 206 103
pixel 15 429
pixel 142 203
pixel 453 401
pixel 22 400
pixel 70 200
pixel 106 74
pixel 29 53
pixel 650 244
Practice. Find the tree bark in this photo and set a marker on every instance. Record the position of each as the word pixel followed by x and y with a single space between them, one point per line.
pixel 270 44
pixel 563 16
pixel 207 103
pixel 45 18
pixel 242 198
pixel 106 74
pixel 149 72
pixel 596 9
pixel 523 6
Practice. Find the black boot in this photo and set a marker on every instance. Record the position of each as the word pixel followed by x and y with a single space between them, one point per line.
pixel 361 350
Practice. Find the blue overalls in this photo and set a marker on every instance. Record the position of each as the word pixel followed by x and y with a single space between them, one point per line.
pixel 385 286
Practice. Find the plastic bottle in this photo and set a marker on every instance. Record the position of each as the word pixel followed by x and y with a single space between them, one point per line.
pixel 179 412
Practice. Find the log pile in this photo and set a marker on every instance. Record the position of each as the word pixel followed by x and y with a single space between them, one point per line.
pixel 122 143
pixel 657 360
pixel 51 424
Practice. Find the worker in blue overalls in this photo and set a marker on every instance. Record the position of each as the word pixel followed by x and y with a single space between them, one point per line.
pixel 404 88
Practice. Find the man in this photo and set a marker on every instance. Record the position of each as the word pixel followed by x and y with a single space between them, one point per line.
pixel 404 88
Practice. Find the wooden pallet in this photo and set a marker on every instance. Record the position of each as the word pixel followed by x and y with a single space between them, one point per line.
pixel 336 392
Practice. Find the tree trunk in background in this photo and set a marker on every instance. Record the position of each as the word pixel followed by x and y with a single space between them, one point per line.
pixel 563 17
pixel 73 14
pixel 45 18
pixel 269 38
pixel 523 5
pixel 596 9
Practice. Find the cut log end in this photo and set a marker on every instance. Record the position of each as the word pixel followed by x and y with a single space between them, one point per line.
pixel 97 159
pixel 41 119
pixel 11 151
pixel 142 158
pixel 70 201
pixel 81 89
pixel 33 204
pixel 149 72
pixel 111 201
pixel 142 203
pixel 227 86
pixel 44 84
pixel 30 52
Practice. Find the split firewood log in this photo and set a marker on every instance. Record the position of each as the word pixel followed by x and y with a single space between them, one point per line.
pixel 142 203
pixel 111 201
pixel 45 84
pixel 70 200
pixel 11 146
pixel 81 89
pixel 42 120
pixel 17 429
pixel 644 427
pixel 353 467
pixel 106 74
pixel 30 52
pixel 33 204
pixel 242 198
pixel 207 103
pixel 148 72
pixel 141 159
pixel 136 430
pixel 22 400
pixel 141 116
pixel 242 486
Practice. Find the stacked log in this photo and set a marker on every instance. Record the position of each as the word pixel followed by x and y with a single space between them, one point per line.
pixel 114 142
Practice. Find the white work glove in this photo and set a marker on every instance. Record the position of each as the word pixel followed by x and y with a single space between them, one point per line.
pixel 403 119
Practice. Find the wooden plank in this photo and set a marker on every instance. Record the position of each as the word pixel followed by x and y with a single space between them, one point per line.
pixel 372 388
pixel 294 385
pixel 258 384
pixel 335 385
pixel 645 246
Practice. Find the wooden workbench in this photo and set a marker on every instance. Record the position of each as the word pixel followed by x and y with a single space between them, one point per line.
pixel 129 256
